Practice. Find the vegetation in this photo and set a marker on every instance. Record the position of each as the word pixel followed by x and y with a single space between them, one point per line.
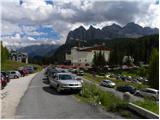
pixel 13 65
pixel 7 65
pixel 153 72
pixel 99 60
pixel 97 80
pixel 95 96
pixel 4 53
pixel 149 105
pixel 140 48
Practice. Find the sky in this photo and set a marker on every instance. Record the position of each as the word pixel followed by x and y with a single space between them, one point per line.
pixel 36 22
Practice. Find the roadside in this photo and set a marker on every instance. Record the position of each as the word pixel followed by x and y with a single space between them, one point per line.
pixel 12 95
pixel 115 92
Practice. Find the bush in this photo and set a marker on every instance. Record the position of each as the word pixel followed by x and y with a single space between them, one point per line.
pixel 149 105
pixel 95 95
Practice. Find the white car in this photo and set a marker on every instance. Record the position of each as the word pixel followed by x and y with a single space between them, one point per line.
pixel 64 81
pixel 108 83
pixel 79 79
pixel 148 92
pixel 14 74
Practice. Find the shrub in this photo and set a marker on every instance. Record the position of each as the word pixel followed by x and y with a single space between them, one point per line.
pixel 95 95
pixel 149 105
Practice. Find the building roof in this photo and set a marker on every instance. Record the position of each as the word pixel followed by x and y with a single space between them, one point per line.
pixel 99 47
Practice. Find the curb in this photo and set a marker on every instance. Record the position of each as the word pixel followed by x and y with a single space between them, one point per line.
pixel 143 112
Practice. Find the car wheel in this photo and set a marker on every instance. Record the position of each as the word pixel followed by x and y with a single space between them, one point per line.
pixel 137 94
pixel 58 89
pixel 15 76
pixel 50 86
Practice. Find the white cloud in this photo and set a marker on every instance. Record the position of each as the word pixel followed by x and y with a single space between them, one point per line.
pixel 66 15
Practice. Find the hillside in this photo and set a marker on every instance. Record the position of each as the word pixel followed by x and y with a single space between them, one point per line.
pixel 13 65
pixel 39 50
pixel 139 48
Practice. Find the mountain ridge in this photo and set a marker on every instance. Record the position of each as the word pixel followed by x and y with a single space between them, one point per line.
pixel 130 30
pixel 39 50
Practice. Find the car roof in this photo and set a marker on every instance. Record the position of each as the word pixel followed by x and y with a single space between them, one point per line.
pixel 107 80
pixel 152 89
pixel 63 73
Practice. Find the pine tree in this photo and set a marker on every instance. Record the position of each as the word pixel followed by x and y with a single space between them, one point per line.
pixel 99 60
pixel 153 73
pixel 4 53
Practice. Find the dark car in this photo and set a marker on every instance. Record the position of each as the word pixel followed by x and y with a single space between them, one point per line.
pixel 80 73
pixel 3 81
pixel 22 72
pixel 6 75
pixel 127 88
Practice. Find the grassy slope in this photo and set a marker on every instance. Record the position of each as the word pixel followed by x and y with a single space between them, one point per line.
pixel 149 105
pixel 13 65
pixel 118 82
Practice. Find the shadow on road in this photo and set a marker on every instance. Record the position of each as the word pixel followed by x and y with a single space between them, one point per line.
pixel 53 91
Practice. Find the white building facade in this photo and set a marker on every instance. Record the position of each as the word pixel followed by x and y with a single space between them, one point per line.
pixel 19 56
pixel 84 56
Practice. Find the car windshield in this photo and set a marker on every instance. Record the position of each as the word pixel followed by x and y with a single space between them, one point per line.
pixel 65 77
pixel 108 81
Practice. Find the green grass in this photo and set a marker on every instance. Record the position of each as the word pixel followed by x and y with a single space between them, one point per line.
pixel 93 95
pixel 149 105
pixel 13 65
pixel 97 80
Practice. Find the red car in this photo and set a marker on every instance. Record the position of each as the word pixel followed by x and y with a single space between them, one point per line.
pixel 25 71
pixel 3 82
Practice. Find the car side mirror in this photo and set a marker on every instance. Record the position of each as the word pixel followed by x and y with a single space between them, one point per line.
pixel 56 78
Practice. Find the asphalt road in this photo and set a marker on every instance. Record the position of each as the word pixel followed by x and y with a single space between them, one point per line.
pixel 42 102
pixel 116 93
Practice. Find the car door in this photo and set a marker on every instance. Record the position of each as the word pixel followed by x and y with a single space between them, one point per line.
pixel 144 93
pixel 11 74
pixel 54 80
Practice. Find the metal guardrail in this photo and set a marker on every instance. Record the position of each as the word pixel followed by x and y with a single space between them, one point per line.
pixel 143 112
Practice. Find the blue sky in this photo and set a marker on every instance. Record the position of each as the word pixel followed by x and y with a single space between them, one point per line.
pixel 29 22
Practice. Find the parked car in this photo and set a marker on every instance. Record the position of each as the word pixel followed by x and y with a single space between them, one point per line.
pixel 14 74
pixel 148 92
pixel 64 81
pixel 21 72
pixel 30 69
pixel 6 75
pixel 126 88
pixel 78 78
pixel 108 83
pixel 80 73
pixel 3 81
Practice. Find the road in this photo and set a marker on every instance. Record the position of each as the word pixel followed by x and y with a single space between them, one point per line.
pixel 42 102
pixel 115 92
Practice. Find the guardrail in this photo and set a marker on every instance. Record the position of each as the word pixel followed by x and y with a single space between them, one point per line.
pixel 143 112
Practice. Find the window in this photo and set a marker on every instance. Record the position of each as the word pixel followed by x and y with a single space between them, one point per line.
pixel 65 77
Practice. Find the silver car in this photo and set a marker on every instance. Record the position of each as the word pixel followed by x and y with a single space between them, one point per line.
pixel 14 74
pixel 108 83
pixel 64 81
pixel 148 92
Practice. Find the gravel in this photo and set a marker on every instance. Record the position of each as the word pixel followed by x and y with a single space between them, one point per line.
pixel 12 94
